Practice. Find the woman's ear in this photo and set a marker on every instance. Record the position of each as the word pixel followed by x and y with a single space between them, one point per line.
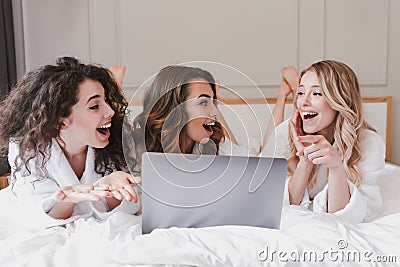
pixel 63 123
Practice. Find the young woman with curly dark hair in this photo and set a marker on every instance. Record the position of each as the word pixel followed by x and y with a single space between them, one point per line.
pixel 62 125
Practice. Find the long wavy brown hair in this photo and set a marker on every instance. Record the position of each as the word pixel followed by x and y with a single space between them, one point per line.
pixel 30 114
pixel 341 89
pixel 162 102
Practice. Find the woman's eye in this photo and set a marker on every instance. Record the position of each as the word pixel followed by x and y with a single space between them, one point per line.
pixel 94 107
pixel 317 94
pixel 204 103
pixel 300 93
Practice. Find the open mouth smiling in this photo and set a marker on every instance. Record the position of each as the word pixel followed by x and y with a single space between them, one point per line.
pixel 307 115
pixel 208 126
pixel 104 129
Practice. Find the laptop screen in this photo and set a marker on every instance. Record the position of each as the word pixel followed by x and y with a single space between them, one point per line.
pixel 185 190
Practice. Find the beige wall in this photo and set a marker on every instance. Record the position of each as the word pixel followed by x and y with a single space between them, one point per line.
pixel 255 37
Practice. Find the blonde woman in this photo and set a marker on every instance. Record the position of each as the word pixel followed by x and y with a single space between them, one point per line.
pixel 334 156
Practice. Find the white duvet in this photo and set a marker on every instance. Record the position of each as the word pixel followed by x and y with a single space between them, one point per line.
pixel 305 239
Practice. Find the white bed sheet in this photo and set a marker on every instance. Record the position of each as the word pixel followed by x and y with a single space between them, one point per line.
pixel 303 234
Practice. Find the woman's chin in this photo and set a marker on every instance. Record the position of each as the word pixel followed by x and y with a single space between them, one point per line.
pixel 204 141
pixel 309 130
pixel 101 144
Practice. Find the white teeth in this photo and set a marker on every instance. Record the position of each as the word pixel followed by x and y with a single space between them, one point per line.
pixel 108 125
pixel 309 113
pixel 210 124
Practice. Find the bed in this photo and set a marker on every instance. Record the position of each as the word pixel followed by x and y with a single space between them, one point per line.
pixel 305 238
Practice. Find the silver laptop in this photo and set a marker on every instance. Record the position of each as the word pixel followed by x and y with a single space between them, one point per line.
pixel 203 190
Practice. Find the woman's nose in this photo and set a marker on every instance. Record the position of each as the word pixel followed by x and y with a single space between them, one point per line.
pixel 109 112
pixel 305 100
pixel 214 111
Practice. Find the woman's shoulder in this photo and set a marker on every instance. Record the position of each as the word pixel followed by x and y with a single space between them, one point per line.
pixel 372 144
pixel 372 138
pixel 14 147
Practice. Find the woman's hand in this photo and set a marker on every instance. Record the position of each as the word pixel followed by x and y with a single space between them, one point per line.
pixel 296 131
pixel 120 185
pixel 320 151
pixel 77 193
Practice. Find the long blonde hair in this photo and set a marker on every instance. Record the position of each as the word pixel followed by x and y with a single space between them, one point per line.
pixel 340 87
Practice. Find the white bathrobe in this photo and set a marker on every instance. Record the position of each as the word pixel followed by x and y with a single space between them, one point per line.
pixel 365 200
pixel 32 200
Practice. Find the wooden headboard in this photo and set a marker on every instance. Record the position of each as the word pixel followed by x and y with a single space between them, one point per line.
pixel 253 112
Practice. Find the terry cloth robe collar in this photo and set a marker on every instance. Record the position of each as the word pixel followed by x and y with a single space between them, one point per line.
pixel 59 165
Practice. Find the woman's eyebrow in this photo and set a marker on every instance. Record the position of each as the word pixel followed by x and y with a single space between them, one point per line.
pixel 204 95
pixel 312 86
pixel 92 97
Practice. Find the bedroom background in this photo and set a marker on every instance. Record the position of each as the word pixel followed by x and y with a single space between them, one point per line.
pixel 255 37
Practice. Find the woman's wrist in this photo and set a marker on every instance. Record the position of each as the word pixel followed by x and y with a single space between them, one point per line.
pixel 337 171
pixel 305 164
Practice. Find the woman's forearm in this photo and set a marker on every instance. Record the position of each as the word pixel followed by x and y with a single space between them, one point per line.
pixel 298 182
pixel 338 189
pixel 62 210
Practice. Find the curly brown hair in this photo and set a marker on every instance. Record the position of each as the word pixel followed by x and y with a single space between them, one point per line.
pixel 163 99
pixel 30 114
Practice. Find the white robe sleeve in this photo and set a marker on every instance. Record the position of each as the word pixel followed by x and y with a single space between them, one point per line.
pixel 366 198
pixel 102 211
pixel 129 207
pixel 31 198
